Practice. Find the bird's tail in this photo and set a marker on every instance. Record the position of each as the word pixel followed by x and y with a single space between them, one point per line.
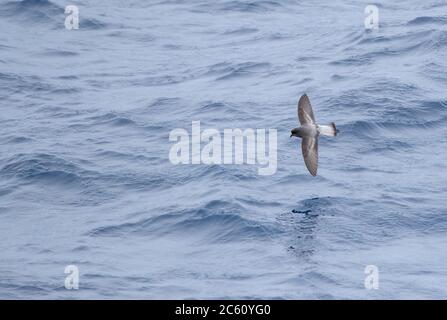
pixel 328 130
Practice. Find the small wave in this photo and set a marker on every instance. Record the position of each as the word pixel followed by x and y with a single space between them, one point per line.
pixel 435 71
pixel 367 58
pixel 214 106
pixel 91 24
pixel 422 114
pixel 15 139
pixel 14 83
pixel 33 11
pixel 398 38
pixel 163 80
pixel 240 31
pixel 216 221
pixel 337 77
pixel 249 6
pixel 218 111
pixel 81 248
pixel 62 112
pixel 43 12
pixel 33 288
pixel 66 91
pixel 59 53
pixel 396 123
pixel 42 168
pixel 116 155
pixel 137 181
pixel 226 172
pixel 361 127
pixel 221 108
pixel 68 77
pixel 112 119
pixel 428 20
pixel 388 46
pixel 384 146
pixel 227 71
pixel 173 46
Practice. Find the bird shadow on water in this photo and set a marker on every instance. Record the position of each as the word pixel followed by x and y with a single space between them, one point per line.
pixel 301 224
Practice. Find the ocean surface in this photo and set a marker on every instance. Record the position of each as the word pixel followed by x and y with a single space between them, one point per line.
pixel 85 175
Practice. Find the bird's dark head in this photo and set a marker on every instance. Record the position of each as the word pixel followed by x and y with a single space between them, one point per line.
pixel 294 132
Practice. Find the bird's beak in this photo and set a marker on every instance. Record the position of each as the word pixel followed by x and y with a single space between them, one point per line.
pixel 291 135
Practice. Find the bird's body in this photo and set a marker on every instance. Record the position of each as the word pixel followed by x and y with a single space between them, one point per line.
pixel 309 132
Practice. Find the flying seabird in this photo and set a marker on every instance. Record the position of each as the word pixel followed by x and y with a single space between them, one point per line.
pixel 309 133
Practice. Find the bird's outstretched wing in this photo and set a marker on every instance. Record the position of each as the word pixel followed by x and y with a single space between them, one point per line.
pixel 305 113
pixel 309 147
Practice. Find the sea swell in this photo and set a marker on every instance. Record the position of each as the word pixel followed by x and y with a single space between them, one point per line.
pixel 86 177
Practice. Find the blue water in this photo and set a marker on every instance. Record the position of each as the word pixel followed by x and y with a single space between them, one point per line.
pixel 85 176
